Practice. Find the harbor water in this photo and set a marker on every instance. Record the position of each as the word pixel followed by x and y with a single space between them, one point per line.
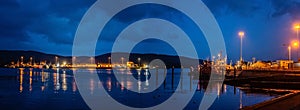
pixel 57 89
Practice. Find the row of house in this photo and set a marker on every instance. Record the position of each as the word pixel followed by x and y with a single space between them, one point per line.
pixel 279 64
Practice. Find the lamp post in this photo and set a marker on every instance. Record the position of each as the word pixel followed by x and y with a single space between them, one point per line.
pixel 22 60
pixel 109 60
pixel 56 59
pixel 297 27
pixel 73 61
pixel 91 60
pixel 289 49
pixel 122 59
pixel 241 34
pixel 31 61
pixel 296 46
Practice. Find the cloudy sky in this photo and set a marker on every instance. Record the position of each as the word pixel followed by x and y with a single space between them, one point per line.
pixel 50 25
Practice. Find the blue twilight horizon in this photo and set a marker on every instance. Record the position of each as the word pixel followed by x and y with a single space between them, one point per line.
pixel 49 26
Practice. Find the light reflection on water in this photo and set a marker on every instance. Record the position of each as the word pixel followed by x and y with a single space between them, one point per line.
pixel 56 89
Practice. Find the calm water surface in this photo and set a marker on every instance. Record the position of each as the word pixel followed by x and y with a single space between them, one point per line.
pixel 57 89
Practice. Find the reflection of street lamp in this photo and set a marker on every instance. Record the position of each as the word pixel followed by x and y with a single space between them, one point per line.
pixel 241 34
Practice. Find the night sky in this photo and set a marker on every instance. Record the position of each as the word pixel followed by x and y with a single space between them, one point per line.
pixel 50 25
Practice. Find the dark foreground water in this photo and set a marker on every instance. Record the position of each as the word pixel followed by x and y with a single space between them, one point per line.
pixel 57 89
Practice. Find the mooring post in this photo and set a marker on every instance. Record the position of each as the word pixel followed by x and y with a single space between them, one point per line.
pixel 156 77
pixel 165 77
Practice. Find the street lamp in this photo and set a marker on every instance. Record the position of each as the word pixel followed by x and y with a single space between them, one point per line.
pixel 74 59
pixel 31 61
pixel 109 60
pixel 56 59
pixel 139 60
pixel 122 59
pixel 241 34
pixel 22 60
pixel 91 60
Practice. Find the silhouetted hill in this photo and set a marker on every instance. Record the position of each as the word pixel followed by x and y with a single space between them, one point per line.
pixel 6 57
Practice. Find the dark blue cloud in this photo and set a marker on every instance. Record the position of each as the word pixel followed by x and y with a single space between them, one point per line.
pixel 283 7
pixel 49 25
pixel 23 21
pixel 241 7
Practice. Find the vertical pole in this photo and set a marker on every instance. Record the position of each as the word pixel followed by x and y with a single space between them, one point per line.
pixel 172 77
pixel 156 77
pixel 165 77
pixel 108 60
pixel 241 48
pixel 200 76
pixel 190 82
pixel 289 49
pixel 298 44
pixel 181 79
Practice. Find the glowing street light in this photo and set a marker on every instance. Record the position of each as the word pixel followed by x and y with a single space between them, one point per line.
pixel 65 63
pixel 241 34
pixel 295 44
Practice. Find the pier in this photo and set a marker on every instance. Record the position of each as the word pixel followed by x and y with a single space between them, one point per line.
pixel 286 102
pixel 280 79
